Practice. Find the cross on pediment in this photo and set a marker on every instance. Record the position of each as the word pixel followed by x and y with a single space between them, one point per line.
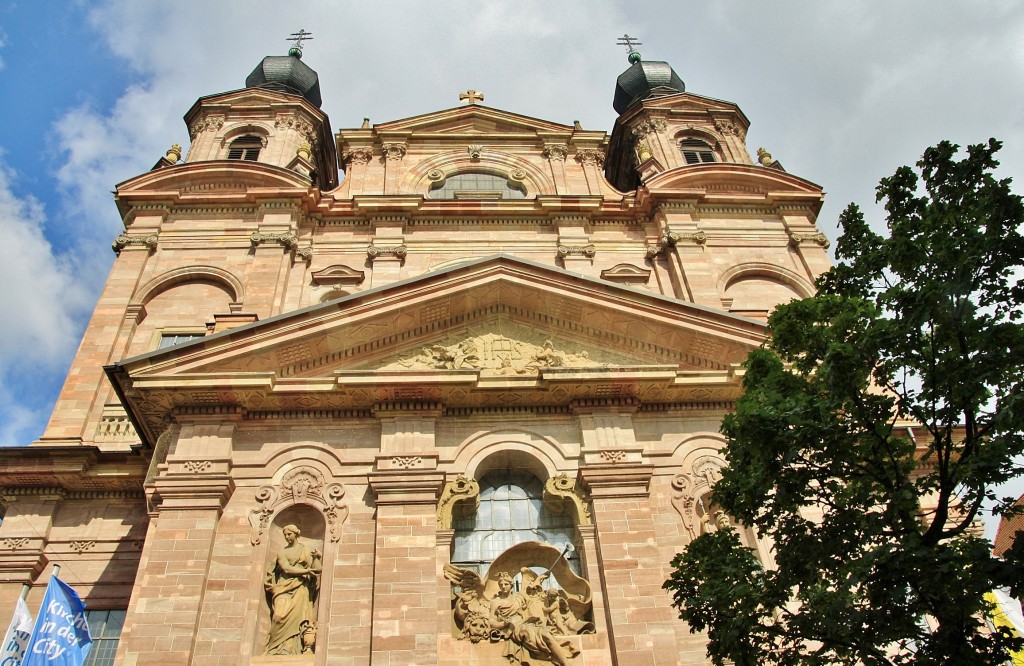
pixel 471 96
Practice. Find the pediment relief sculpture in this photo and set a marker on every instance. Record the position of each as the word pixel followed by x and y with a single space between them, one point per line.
pixel 533 623
pixel 498 354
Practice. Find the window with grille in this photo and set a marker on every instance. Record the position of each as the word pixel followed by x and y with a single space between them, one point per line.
pixel 105 629
pixel 245 148
pixel 171 339
pixel 511 511
pixel 477 186
pixel 696 151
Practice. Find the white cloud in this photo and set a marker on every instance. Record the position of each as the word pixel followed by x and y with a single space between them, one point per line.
pixel 43 305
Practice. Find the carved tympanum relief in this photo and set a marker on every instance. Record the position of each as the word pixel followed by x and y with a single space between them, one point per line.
pixel 520 352
pixel 533 622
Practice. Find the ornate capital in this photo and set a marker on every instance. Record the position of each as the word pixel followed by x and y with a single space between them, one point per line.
pixel 288 240
pixel 672 238
pixel 555 152
pixel 645 127
pixel 304 254
pixel 587 250
pixel 819 238
pixel 393 151
pixel 590 156
pixel 399 251
pixel 729 128
pixel 356 156
pixel 207 124
pixel 123 241
pixel 290 121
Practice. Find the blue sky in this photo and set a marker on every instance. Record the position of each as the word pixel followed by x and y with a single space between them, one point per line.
pixel 93 93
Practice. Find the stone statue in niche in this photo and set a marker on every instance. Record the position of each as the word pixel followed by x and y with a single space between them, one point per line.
pixel 533 623
pixel 292 585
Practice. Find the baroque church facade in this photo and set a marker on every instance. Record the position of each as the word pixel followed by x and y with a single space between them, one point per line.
pixel 440 390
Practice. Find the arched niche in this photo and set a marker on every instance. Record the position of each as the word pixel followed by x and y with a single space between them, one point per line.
pixel 761 286
pixel 293 566
pixel 226 280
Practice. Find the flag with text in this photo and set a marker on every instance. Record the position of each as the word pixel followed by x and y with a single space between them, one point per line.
pixel 61 635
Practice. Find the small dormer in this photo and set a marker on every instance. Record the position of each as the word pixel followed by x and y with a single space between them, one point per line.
pixel 276 120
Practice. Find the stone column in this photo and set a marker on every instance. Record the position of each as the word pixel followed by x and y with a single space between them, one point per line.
pixel 187 498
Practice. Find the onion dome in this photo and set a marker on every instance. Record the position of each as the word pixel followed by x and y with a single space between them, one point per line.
pixel 644 80
pixel 287 74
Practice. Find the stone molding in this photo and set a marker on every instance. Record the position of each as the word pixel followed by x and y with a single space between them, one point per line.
pixel 337 275
pixel 125 241
pixel 406 487
pixel 301 485
pixel 616 480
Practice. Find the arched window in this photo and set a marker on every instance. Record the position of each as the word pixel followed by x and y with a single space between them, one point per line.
pixel 245 148
pixel 477 186
pixel 511 511
pixel 697 151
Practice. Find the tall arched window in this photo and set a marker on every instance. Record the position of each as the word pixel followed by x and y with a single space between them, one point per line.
pixel 511 511
pixel 696 151
pixel 245 148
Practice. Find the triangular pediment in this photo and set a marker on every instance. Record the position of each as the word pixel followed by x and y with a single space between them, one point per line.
pixel 499 329
pixel 473 119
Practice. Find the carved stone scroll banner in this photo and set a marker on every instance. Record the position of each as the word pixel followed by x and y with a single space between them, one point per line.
pixel 460 489
pixel 559 490
pixel 534 623
pixel 302 485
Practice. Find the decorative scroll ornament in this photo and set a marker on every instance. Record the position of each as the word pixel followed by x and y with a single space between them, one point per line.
pixel 555 152
pixel 124 241
pixel 210 123
pixel 393 151
pixel 532 623
pixel 398 251
pixel 435 175
pixel 819 238
pixel 590 157
pixel 517 175
pixel 690 487
pixel 357 156
pixel 302 485
pixel 461 489
pixel 587 250
pixel 558 491
pixel 643 128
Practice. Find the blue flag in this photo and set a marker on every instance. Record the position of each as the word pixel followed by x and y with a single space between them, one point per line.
pixel 61 635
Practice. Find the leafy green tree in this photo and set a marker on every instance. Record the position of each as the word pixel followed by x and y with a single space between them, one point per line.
pixel 875 558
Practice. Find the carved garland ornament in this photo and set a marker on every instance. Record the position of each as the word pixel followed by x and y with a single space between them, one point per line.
pixel 124 241
pixel 302 485
pixel 819 238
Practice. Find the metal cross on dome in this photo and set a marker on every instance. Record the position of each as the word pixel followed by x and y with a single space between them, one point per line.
pixel 630 43
pixel 299 37
pixel 471 96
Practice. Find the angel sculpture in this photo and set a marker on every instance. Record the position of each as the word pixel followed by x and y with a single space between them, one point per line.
pixel 532 621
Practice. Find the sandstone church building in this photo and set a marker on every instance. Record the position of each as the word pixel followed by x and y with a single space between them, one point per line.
pixel 438 390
